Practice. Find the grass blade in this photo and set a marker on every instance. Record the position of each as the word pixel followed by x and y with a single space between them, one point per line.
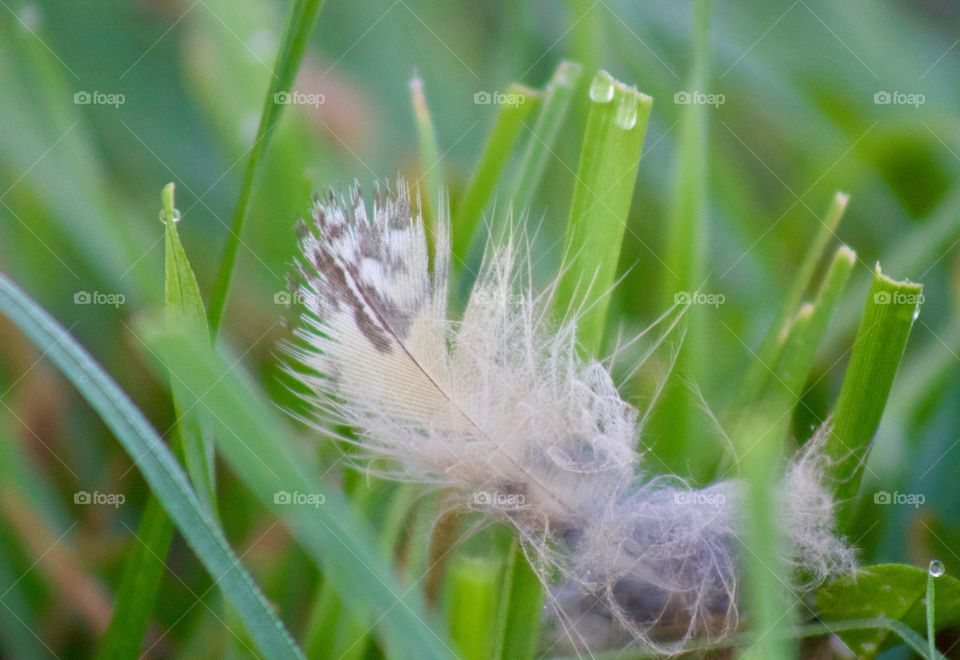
pixel 493 159
pixel 686 256
pixel 931 608
pixel 472 606
pixel 137 594
pixel 145 566
pixel 810 326
pixel 184 307
pixel 606 176
pixel 430 159
pixel 760 439
pixel 303 15
pixel 521 602
pixel 158 466
pixel 769 352
pixel 253 441
pixel 888 316
pixel 553 111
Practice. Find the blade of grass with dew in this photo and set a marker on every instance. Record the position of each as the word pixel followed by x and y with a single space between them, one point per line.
pixel 557 98
pixel 145 567
pixel 303 15
pixel 255 444
pixel 503 136
pixel 890 310
pixel 606 176
pixel 430 160
pixel 770 348
pixel 931 602
pixel 917 252
pixel 158 466
pixel 685 258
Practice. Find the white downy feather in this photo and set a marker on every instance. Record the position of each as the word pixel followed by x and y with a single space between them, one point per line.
pixel 499 408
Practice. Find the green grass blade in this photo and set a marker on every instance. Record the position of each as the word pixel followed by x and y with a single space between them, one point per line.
pixel 606 176
pixel 553 111
pixel 431 162
pixel 760 442
pixel 303 15
pixel 184 306
pixel 903 631
pixel 810 326
pixel 158 466
pixel 503 136
pixel 520 607
pixel 687 221
pixel 145 566
pixel 769 352
pixel 685 258
pixel 331 632
pixel 142 574
pixel 253 441
pixel 471 589
pixel 888 316
pixel 931 610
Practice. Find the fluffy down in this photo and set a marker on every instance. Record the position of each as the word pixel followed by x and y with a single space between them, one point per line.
pixel 499 408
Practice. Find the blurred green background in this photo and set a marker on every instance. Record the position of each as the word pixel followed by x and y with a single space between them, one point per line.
pixel 102 102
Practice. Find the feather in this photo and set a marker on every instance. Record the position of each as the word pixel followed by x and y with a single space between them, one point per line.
pixel 500 408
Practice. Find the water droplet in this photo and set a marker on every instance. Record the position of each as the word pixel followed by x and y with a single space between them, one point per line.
pixel 626 114
pixel 601 89
pixel 936 568
pixel 176 216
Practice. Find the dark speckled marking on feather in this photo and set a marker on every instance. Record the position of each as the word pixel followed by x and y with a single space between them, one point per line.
pixel 336 283
pixel 341 282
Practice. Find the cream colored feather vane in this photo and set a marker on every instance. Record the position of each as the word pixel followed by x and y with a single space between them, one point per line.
pixel 499 409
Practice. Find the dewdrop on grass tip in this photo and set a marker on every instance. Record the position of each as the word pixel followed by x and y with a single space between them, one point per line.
pixel 500 402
